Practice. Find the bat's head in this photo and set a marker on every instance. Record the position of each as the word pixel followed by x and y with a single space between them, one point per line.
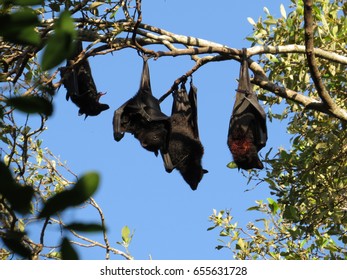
pixel 93 109
pixel 152 136
pixel 193 176
pixel 245 154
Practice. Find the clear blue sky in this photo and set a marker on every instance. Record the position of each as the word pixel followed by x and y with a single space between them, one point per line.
pixel 170 220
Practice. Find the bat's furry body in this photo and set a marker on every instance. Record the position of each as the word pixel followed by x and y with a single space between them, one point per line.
pixel 80 86
pixel 185 148
pixel 141 116
pixel 247 128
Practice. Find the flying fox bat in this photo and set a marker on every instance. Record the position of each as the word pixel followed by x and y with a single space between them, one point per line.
pixel 185 148
pixel 80 86
pixel 141 116
pixel 247 133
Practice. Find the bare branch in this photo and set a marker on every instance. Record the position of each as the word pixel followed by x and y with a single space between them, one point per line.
pixel 93 243
pixel 102 217
pixel 311 59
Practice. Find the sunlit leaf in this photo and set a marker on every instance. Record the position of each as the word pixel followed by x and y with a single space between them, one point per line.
pixel 94 5
pixel 126 234
pixel 232 165
pixel 283 11
pixel 251 21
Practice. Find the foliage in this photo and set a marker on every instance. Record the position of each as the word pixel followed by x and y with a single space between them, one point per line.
pixel 308 220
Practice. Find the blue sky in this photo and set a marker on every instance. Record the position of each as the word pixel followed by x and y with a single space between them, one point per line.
pixel 170 220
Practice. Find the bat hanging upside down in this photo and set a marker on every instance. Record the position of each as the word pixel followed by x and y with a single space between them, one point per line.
pixel 80 86
pixel 247 133
pixel 141 116
pixel 185 148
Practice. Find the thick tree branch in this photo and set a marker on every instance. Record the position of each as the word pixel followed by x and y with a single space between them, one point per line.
pixel 332 108
pixel 304 100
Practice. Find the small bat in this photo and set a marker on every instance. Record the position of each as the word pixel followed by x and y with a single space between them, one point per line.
pixel 80 86
pixel 247 133
pixel 141 115
pixel 185 148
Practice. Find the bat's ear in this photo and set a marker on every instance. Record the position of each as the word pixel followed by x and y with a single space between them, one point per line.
pixel 204 171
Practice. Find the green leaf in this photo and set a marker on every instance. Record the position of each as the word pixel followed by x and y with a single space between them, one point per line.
pixel 67 252
pixel 240 244
pixel 19 27
pixel 253 208
pixel 126 234
pixel 82 191
pixel 60 45
pixel 271 21
pixel 31 104
pixel 23 2
pixel 232 165
pixel 18 196
pixel 85 227
pixel 6 178
pixel 55 51
pixel 290 213
pixel 273 205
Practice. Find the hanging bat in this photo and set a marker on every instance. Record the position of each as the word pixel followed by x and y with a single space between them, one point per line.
pixel 141 116
pixel 247 133
pixel 80 86
pixel 185 148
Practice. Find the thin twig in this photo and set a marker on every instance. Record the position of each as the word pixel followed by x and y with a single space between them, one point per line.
pixel 102 217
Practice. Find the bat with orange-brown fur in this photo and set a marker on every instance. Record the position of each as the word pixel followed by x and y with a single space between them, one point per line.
pixel 247 133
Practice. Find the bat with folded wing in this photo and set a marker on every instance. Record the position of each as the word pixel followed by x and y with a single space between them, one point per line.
pixel 247 133
pixel 80 86
pixel 185 148
pixel 141 116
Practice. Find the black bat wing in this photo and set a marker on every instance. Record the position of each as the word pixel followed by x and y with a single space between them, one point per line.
pixel 118 130
pixel 185 148
pixel 70 79
pixel 194 109
pixel 80 85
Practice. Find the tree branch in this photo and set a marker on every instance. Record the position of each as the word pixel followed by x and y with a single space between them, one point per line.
pixel 332 108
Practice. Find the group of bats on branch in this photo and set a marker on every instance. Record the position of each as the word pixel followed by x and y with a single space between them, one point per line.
pixel 175 137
